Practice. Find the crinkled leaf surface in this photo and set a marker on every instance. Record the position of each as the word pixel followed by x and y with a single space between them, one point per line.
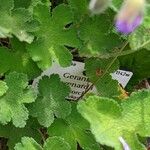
pixel 17 59
pixel 12 106
pixel 3 88
pixel 140 39
pixel 27 143
pixel 98 71
pixel 97 37
pixel 79 9
pixel 22 3
pixel 29 4
pixel 15 22
pixel 52 143
pixel 139 64
pixel 53 36
pixel 56 143
pixel 74 129
pixel 51 100
pixel 109 120
pixel 146 21
pixel 14 134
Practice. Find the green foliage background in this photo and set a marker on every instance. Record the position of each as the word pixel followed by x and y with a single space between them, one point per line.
pixel 33 34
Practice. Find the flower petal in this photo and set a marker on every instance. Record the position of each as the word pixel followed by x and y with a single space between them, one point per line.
pixel 130 16
pixel 124 144
pixel 127 27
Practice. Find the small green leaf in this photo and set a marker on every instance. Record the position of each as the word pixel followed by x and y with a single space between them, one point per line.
pixel 12 106
pixel 109 121
pixel 51 143
pixel 74 129
pixel 51 100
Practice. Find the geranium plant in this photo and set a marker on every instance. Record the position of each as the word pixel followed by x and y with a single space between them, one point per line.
pixel 106 35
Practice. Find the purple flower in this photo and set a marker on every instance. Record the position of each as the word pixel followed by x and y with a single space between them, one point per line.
pixel 124 144
pixel 127 27
pixel 130 16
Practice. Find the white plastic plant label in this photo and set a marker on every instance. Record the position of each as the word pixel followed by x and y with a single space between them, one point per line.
pixel 73 76
pixel 122 77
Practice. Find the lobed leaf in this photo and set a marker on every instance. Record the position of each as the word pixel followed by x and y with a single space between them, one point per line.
pixel 75 130
pixel 12 104
pixel 14 134
pixel 53 36
pixel 17 59
pixel 109 121
pixel 98 38
pixel 15 22
pixel 51 100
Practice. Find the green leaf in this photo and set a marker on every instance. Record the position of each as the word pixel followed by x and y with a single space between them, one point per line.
pixel 12 106
pixel 15 22
pixel 79 9
pixel 140 39
pixel 28 143
pixel 74 129
pixel 51 100
pixel 3 88
pixel 138 64
pixel 6 5
pixel 17 59
pixel 109 121
pixel 116 5
pixel 98 39
pixel 22 3
pixel 98 71
pixel 50 144
pixel 29 4
pixel 146 22
pixel 14 134
pixel 53 36
pixel 56 143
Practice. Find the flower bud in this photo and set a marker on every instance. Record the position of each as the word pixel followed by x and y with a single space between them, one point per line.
pixel 98 6
pixel 130 16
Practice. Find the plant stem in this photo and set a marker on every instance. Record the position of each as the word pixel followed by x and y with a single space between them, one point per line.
pixel 107 68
